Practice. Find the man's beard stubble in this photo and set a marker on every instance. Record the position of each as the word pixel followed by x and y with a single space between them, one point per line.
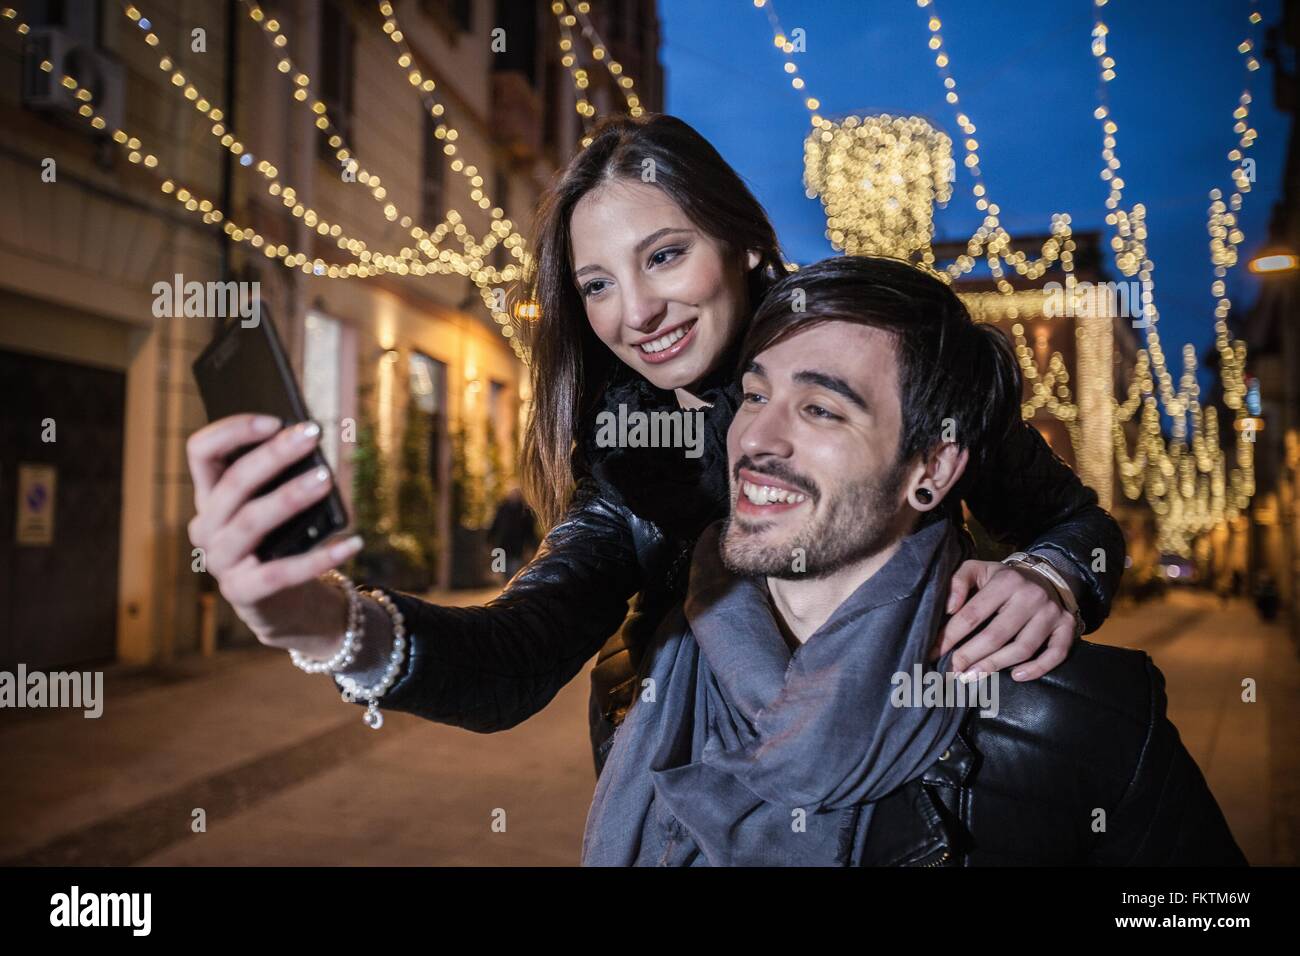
pixel 859 522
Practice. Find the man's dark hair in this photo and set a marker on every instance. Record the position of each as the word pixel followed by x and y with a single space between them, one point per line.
pixel 950 367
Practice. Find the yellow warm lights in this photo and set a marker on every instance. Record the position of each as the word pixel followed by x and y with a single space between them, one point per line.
pixel 878 178
pixel 1185 478
pixel 485 277
pixel 568 15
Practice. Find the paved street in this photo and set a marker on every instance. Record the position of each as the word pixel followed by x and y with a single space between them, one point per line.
pixel 286 774
pixel 1249 752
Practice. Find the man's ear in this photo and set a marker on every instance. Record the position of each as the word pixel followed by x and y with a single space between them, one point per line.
pixel 936 475
pixel 752 259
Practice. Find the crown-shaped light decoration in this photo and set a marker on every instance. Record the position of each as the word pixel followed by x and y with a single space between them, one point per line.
pixel 878 178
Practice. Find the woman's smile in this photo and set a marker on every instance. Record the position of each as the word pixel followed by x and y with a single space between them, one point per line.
pixel 668 345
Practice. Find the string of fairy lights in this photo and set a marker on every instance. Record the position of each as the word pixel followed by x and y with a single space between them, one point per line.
pixel 577 74
pixel 502 229
pixel 904 192
pixel 471 260
pixel 440 260
pixel 192 201
pixel 372 263
pixel 352 171
pixel 568 15
pixel 990 240
pixel 429 252
pixel 878 178
pixel 1185 479
pixel 229 139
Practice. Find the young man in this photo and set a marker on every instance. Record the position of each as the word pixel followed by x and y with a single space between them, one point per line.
pixel 770 730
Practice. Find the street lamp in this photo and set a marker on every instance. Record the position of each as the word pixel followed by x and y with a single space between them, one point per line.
pixel 1273 260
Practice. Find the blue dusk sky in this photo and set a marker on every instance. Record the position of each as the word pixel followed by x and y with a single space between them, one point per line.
pixel 1028 81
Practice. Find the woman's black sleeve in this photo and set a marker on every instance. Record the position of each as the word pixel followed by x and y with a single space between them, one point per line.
pixel 489 668
pixel 1027 497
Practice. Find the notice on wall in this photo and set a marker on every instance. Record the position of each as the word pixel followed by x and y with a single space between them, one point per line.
pixel 35 523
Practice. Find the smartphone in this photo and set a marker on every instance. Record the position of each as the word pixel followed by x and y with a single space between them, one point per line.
pixel 245 370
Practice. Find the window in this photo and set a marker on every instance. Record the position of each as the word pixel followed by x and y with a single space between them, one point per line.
pixel 453 17
pixel 554 105
pixel 496 403
pixel 519 20
pixel 337 52
pixel 498 443
pixel 428 385
pixel 80 19
pixel 434 179
pixel 618 15
pixel 321 380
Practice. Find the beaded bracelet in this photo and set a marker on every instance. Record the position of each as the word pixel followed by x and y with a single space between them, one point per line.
pixel 351 635
pixel 352 691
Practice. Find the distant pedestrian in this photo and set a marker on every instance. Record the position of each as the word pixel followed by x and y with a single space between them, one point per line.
pixel 514 531
pixel 1266 597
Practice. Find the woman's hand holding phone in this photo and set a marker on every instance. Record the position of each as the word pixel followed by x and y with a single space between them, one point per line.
pixel 283 601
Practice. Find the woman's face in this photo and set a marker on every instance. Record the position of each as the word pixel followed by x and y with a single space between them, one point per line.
pixel 662 294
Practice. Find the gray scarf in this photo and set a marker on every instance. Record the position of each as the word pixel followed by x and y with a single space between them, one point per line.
pixel 739 753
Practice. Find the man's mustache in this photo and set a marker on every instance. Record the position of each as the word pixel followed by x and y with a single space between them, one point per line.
pixel 775 470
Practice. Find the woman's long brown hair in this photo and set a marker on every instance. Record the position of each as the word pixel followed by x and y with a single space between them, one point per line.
pixel 569 363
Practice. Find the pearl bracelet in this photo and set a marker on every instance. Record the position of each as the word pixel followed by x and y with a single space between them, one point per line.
pixel 352 691
pixel 351 635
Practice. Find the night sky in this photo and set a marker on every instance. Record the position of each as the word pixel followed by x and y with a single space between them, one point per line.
pixel 1028 81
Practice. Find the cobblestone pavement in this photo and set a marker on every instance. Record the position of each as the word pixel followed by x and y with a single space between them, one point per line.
pixel 285 773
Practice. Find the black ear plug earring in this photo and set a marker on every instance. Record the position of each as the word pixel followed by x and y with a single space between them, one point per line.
pixel 924 495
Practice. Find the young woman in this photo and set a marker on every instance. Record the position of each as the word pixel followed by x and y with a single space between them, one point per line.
pixel 650 256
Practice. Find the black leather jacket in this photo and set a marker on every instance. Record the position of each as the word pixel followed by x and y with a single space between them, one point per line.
pixel 1079 767
pixel 630 530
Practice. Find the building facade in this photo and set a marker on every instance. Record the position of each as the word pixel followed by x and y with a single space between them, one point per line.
pixel 1080 342
pixel 1274 358
pixel 407 372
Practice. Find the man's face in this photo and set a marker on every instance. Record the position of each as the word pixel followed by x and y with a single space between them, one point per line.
pixel 815 482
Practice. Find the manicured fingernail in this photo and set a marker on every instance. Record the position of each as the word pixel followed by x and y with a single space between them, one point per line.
pixel 345 549
pixel 1019 675
pixel 308 430
pixel 265 424
pixel 967 676
pixel 313 478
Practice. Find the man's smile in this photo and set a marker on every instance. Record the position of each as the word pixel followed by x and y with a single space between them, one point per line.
pixel 763 495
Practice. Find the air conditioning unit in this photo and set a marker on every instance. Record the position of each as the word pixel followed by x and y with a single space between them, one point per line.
pixel 94 69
